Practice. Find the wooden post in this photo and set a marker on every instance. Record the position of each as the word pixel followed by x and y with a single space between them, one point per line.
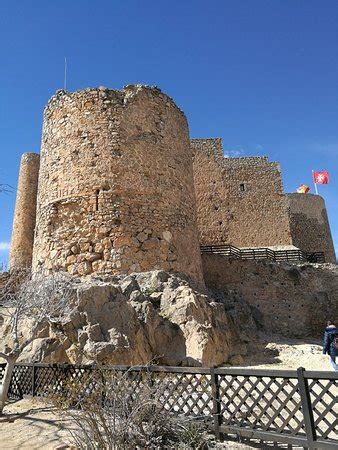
pixel 216 402
pixel 306 408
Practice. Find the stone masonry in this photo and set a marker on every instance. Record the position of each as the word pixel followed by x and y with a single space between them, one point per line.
pixel 121 189
pixel 240 201
pixel 25 213
pixel 116 191
pixel 293 301
pixel 310 225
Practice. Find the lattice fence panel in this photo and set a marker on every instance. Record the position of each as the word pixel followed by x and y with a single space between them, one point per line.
pixel 186 393
pixel 57 380
pixel 131 383
pixel 324 399
pixel 262 403
pixel 21 383
pixel 2 370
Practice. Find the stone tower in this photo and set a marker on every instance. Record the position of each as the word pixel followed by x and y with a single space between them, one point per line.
pixel 25 213
pixel 116 192
pixel 310 225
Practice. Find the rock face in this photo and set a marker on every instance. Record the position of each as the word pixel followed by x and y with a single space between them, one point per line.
pixel 137 319
pixel 285 299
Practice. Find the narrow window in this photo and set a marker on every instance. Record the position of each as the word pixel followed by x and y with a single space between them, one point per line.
pixel 97 200
pixel 242 187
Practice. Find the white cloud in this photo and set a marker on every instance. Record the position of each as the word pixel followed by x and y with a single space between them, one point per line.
pixel 234 153
pixel 4 246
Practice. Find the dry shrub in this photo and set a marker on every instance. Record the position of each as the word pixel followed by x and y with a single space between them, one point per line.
pixel 123 410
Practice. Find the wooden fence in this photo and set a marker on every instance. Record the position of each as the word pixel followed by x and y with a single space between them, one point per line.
pixel 230 251
pixel 294 407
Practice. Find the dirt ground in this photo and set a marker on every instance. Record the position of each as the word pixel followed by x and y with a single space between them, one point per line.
pixel 281 353
pixel 32 424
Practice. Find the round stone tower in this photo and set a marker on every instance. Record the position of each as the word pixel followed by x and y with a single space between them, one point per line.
pixel 310 227
pixel 25 213
pixel 116 191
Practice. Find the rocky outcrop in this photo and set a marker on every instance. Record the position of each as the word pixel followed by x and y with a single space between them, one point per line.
pixel 280 298
pixel 137 319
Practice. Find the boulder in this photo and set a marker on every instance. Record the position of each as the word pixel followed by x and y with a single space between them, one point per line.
pixel 138 319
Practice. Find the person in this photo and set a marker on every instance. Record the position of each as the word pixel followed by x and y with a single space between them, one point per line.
pixel 330 343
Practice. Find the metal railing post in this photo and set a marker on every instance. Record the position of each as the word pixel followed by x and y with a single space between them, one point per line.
pixel 33 379
pixel 216 402
pixel 305 398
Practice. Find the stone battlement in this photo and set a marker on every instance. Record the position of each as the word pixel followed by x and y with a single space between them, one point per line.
pixel 214 147
pixel 122 96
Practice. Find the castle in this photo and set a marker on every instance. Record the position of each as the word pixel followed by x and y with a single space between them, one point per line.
pixel 241 201
pixel 119 188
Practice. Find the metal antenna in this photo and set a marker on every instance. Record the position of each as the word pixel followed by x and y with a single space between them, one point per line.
pixel 65 78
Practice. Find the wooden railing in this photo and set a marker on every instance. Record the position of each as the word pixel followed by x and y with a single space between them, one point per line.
pixel 230 251
pixel 294 407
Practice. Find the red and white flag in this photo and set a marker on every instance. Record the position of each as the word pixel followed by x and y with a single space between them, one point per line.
pixel 321 177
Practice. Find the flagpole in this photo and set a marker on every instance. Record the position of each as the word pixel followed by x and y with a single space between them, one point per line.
pixel 65 76
pixel 314 181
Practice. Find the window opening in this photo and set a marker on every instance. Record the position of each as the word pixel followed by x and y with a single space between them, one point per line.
pixel 97 200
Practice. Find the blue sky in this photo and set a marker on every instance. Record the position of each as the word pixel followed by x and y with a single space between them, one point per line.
pixel 261 74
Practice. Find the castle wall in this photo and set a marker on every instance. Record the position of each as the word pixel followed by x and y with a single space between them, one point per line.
pixel 294 301
pixel 310 227
pixel 25 213
pixel 116 191
pixel 240 201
